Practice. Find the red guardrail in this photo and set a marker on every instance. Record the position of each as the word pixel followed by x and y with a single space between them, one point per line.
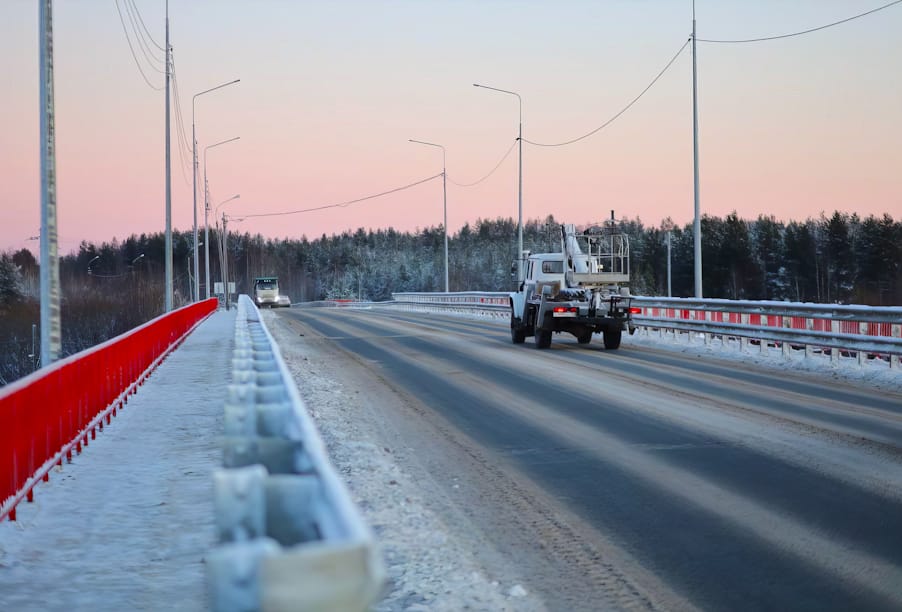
pixel 46 415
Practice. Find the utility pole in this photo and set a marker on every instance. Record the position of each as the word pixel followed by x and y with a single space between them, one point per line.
pixel 50 271
pixel 225 260
pixel 168 255
pixel 697 224
pixel 669 293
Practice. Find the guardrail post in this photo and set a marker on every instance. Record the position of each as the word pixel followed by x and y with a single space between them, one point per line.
pixel 896 332
pixel 743 341
pixel 834 352
pixel 863 330
pixel 809 349
pixel 763 345
pixel 787 324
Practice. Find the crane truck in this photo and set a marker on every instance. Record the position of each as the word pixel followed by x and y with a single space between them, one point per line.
pixel 583 289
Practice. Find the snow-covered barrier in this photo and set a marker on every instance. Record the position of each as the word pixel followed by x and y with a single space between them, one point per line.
pixel 861 332
pixel 50 414
pixel 290 536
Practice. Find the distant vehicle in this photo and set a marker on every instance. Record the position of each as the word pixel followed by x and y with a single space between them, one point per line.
pixel 284 301
pixel 266 291
pixel 581 290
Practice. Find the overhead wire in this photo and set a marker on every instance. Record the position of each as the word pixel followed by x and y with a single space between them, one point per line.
pixel 491 172
pixel 132 49
pixel 149 35
pixel 180 127
pixel 623 110
pixel 800 33
pixel 152 59
pixel 339 204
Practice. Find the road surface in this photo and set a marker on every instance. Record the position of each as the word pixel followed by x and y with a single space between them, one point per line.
pixel 635 478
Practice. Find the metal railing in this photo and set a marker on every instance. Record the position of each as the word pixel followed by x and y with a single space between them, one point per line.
pixel 860 331
pixel 47 415
pixel 290 536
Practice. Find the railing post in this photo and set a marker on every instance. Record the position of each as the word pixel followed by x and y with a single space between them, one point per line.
pixel 809 349
pixel 787 324
pixel 895 332
pixel 863 330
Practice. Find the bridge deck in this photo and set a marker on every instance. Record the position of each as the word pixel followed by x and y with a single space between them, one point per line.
pixel 127 524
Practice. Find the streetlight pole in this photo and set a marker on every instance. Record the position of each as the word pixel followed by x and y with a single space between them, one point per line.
pixel 224 248
pixel 194 176
pixel 520 190
pixel 444 200
pixel 697 223
pixel 206 211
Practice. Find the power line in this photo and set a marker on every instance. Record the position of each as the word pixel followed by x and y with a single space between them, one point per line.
pixel 142 43
pixel 808 31
pixel 157 45
pixel 498 165
pixel 132 49
pixel 340 204
pixel 625 108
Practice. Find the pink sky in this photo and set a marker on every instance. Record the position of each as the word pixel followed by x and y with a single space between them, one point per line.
pixel 331 92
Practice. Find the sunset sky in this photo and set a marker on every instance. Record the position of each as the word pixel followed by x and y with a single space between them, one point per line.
pixel 331 92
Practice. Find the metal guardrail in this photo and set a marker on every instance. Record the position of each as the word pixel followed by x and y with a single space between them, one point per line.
pixel 50 414
pixel 290 536
pixel 861 331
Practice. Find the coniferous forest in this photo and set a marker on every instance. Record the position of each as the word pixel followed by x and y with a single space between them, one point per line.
pixel 110 288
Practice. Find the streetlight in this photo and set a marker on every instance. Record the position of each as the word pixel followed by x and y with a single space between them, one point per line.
pixel 90 263
pixel 444 200
pixel 206 210
pixel 224 250
pixel 520 191
pixel 135 260
pixel 188 262
pixel 194 176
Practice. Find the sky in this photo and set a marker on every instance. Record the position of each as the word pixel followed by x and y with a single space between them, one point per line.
pixel 331 93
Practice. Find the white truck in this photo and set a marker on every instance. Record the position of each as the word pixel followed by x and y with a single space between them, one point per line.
pixel 581 290
pixel 266 291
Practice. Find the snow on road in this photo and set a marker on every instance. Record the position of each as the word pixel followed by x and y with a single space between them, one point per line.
pixel 127 525
pixel 431 565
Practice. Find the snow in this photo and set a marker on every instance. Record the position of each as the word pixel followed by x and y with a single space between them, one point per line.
pixel 127 525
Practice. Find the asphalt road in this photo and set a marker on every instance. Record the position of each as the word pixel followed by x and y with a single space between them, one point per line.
pixel 683 483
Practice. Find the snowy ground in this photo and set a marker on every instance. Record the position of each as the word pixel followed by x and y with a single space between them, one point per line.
pixel 127 524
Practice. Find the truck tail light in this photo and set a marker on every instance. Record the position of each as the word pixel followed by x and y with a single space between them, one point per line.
pixel 565 309
pixel 635 310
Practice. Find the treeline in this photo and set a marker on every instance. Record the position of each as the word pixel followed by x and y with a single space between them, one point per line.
pixel 110 288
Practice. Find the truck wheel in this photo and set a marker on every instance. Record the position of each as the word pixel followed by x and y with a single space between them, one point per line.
pixel 612 338
pixel 543 339
pixel 518 334
pixel 585 337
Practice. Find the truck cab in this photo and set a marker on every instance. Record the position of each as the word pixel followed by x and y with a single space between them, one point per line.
pixel 266 291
